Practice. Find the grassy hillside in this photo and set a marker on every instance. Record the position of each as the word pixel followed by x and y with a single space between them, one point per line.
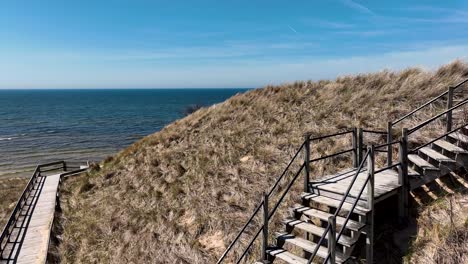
pixel 10 192
pixel 181 194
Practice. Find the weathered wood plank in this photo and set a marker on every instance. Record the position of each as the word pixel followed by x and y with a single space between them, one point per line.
pixel 36 241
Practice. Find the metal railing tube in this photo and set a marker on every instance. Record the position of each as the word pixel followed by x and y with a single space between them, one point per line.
pixel 307 163
pixel 250 244
pixel 449 105
pixel 285 170
pixel 266 218
pixel 240 233
pixel 437 138
pixel 314 253
pixel 355 148
pixel 419 108
pixel 370 205
pixel 360 144
pixel 332 240
pixel 389 146
pixel 403 179
pixel 437 116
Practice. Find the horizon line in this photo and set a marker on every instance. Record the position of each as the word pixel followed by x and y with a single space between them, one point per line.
pixel 133 88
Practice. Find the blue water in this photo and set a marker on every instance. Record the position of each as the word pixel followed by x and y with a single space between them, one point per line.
pixel 46 125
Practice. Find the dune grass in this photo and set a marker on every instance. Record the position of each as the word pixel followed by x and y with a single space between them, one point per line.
pixel 181 195
pixel 10 192
pixel 442 231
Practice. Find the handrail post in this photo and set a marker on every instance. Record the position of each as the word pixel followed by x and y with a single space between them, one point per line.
pixel 332 240
pixel 389 140
pixel 449 105
pixel 403 179
pixel 265 228
pixel 306 162
pixel 360 145
pixel 355 148
pixel 370 206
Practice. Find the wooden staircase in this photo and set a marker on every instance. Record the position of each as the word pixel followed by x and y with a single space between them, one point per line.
pixel 428 164
pixel 337 211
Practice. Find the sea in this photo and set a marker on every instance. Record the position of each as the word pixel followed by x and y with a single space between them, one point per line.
pixel 44 125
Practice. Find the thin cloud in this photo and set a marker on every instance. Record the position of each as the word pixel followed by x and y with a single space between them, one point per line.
pixel 292 29
pixel 358 7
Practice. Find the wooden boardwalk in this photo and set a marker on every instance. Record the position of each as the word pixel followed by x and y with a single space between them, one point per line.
pixel 25 237
pixel 36 240
pixel 29 240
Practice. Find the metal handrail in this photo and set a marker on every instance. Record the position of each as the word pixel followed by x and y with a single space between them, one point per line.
pixel 13 217
pixel 332 155
pixel 270 214
pixel 374 131
pixel 349 213
pixel 427 103
pixel 25 195
pixel 338 209
pixel 331 135
pixel 231 245
pixel 417 127
pixel 386 144
pixel 437 138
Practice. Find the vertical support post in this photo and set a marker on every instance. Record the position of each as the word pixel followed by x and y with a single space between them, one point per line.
pixel 449 105
pixel 332 240
pixel 265 228
pixel 389 140
pixel 355 148
pixel 306 162
pixel 64 166
pixel 403 179
pixel 370 206
pixel 360 145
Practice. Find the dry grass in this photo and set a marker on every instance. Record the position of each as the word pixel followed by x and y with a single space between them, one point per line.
pixel 181 194
pixel 10 192
pixel 442 232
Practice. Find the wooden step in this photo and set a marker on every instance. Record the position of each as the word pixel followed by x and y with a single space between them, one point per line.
pixel 425 167
pixel 307 245
pixel 310 212
pixel 414 174
pixel 449 147
pixel 318 231
pixel 459 137
pixel 287 256
pixel 360 209
pixel 431 153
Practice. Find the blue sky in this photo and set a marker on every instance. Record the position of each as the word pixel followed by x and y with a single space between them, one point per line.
pixel 165 44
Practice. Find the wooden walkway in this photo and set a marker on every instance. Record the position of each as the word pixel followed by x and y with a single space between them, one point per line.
pixel 36 241
pixel 29 240
pixel 25 237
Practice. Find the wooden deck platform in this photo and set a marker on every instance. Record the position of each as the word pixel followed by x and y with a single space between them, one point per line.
pixel 386 184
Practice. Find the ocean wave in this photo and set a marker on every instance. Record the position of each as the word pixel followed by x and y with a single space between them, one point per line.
pixel 6 138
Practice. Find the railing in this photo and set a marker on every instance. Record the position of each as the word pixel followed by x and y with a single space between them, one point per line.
pixel 257 210
pixel 331 228
pixel 305 166
pixel 369 157
pixel 23 201
pixel 449 94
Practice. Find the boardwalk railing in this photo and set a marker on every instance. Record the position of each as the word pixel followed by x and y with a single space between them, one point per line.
pixel 448 96
pixel 266 213
pixel 29 199
pixel 330 231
